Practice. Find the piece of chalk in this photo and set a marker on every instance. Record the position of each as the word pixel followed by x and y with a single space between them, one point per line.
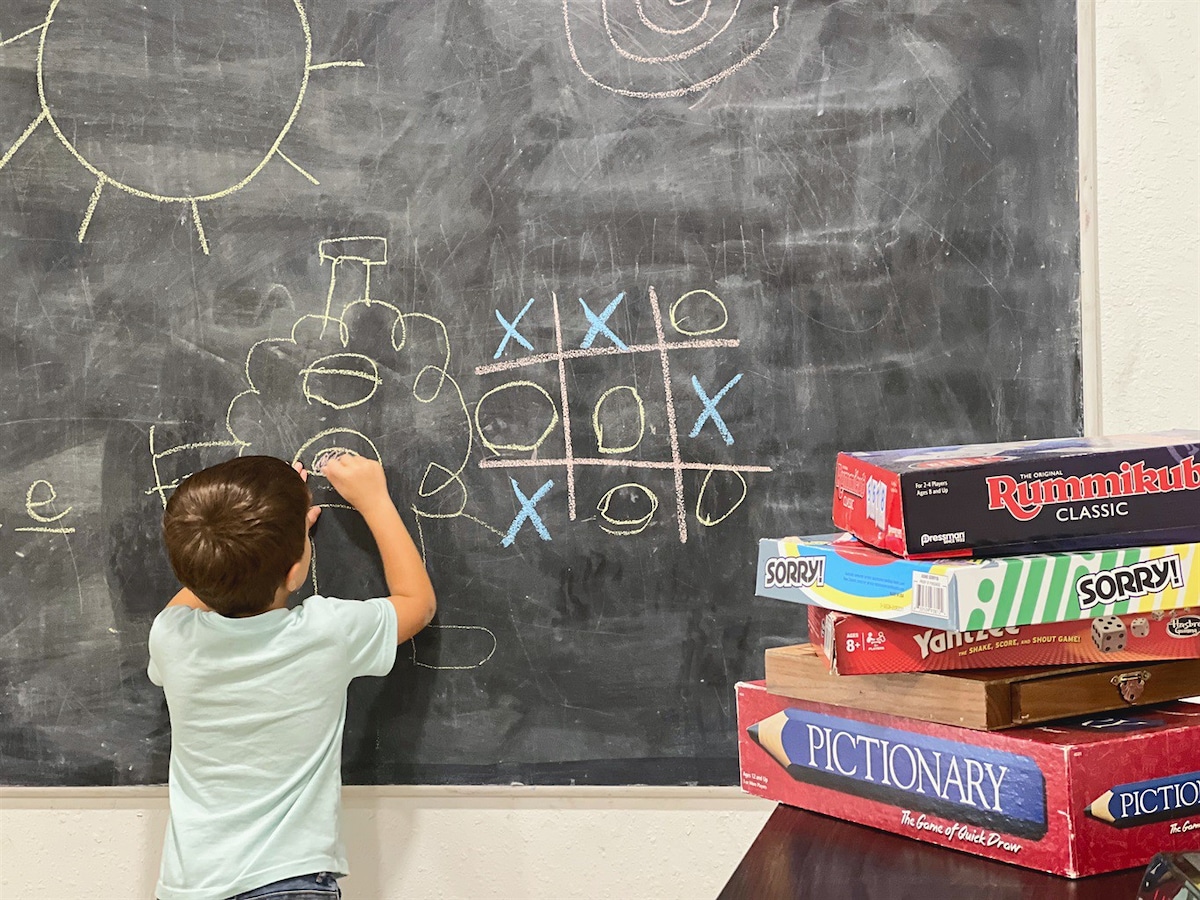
pixel 327 456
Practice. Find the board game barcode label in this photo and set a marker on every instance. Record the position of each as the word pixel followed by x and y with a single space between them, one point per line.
pixel 930 594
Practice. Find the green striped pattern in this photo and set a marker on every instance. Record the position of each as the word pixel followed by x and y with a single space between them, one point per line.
pixel 1027 590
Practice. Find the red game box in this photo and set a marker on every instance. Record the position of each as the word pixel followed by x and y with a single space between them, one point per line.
pixel 1023 497
pixel 1076 798
pixel 858 645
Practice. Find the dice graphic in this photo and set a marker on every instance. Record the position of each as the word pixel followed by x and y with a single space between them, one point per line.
pixel 1140 627
pixel 1108 634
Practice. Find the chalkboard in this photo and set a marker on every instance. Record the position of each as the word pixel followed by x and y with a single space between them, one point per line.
pixel 604 284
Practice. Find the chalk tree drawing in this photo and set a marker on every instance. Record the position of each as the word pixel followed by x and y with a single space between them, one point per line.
pixel 49 55
pixel 611 454
pixel 328 386
pixel 717 52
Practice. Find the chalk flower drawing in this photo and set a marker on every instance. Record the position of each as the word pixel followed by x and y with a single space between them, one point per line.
pixel 80 30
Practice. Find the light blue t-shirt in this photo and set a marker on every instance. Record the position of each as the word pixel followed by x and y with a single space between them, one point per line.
pixel 257 707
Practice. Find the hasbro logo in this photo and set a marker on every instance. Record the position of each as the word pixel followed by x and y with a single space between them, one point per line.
pixel 1184 626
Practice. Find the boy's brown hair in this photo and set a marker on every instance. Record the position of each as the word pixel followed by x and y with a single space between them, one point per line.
pixel 234 530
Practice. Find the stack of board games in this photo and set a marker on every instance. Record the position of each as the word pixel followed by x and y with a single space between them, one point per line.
pixel 1070 551
pixel 975 593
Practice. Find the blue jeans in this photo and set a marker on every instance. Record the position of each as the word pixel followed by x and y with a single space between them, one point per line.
pixel 318 886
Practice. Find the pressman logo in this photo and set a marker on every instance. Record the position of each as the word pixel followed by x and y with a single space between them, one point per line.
pixel 794 572
pixel 1126 582
pixel 949 537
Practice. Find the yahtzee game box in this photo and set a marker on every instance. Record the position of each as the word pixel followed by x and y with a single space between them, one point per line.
pixel 857 645
pixel 1073 798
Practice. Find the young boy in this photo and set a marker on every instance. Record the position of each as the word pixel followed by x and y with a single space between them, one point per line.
pixel 257 692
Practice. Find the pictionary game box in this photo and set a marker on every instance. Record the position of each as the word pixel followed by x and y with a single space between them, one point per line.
pixel 1005 499
pixel 856 645
pixel 839 572
pixel 1077 798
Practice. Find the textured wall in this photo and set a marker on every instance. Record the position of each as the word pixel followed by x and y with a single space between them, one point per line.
pixel 429 843
pixel 1148 172
pixel 632 843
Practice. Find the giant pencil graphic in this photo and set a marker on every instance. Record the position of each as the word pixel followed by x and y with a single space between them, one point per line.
pixel 963 782
pixel 1143 802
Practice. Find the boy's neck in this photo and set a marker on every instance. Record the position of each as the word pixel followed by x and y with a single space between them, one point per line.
pixel 280 602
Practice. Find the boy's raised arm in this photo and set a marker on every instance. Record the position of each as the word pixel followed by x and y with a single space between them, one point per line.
pixel 363 485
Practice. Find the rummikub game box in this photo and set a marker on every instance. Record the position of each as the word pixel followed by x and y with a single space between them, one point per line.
pixel 1005 499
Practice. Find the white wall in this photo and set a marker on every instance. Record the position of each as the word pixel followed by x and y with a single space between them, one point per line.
pixel 415 843
pixel 1142 368
pixel 1147 134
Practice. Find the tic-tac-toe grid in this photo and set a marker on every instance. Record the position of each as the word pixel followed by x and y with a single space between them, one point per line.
pixel 570 461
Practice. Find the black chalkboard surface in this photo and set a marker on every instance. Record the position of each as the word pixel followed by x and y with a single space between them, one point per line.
pixel 604 284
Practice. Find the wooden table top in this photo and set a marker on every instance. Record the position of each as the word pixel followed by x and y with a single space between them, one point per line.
pixel 799 855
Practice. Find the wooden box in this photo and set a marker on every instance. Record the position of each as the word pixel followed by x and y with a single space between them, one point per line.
pixel 985 699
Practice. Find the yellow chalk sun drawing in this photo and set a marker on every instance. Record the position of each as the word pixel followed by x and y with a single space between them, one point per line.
pixel 189 77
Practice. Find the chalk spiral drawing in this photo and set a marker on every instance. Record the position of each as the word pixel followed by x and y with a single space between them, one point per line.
pixel 610 457
pixel 664 62
pixel 343 386
pixel 191 202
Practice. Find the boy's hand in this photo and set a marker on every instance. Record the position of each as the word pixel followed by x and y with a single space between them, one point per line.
pixel 359 480
pixel 313 511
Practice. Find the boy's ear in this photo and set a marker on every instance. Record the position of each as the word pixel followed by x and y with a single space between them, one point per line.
pixel 296 575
